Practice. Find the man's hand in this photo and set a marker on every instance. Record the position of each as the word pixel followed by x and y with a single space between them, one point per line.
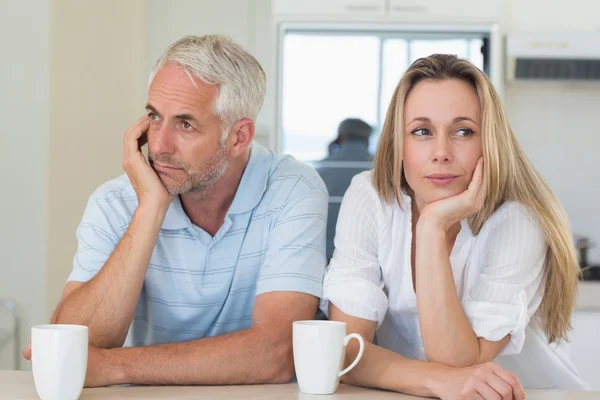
pixel 146 183
pixel 486 381
pixel 100 372
pixel 27 352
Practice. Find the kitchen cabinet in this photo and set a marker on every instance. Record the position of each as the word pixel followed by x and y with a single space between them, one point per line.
pixel 329 7
pixel 459 11
pixel 553 16
pixel 442 11
pixel 585 344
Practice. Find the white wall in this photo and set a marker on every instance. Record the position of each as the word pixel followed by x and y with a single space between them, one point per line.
pixel 24 107
pixel 558 123
pixel 71 82
pixel 97 90
pixel 558 126
pixel 248 22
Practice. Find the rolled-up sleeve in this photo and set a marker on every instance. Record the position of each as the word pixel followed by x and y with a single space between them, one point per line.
pixel 295 259
pixel 96 240
pixel 508 289
pixel 353 280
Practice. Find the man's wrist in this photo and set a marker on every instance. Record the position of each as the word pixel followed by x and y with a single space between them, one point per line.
pixel 117 371
pixel 151 213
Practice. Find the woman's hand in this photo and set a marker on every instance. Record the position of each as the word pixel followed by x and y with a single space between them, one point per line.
pixel 480 382
pixel 447 212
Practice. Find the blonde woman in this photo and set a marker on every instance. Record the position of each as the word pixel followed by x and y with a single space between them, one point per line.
pixel 453 249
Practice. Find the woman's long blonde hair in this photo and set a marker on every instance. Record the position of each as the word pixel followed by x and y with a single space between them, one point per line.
pixel 508 176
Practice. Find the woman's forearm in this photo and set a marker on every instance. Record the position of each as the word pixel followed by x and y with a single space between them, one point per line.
pixel 448 337
pixel 384 369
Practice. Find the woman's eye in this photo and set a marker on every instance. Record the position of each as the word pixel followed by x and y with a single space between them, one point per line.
pixel 420 132
pixel 465 132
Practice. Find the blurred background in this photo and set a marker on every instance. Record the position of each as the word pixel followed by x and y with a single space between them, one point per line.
pixel 74 73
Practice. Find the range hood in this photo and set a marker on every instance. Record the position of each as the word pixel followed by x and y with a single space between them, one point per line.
pixel 553 57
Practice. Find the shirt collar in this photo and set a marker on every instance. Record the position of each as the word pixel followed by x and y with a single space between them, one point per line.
pixel 176 218
pixel 254 180
pixel 249 192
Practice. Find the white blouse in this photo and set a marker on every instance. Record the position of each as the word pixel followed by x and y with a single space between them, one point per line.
pixel 498 276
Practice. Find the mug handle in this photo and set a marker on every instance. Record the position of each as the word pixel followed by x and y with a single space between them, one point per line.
pixel 360 352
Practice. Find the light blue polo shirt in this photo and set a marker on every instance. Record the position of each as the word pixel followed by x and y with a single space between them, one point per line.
pixel 196 285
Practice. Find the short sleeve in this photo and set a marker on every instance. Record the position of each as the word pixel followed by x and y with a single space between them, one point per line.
pixel 508 289
pixel 295 259
pixel 96 240
pixel 353 280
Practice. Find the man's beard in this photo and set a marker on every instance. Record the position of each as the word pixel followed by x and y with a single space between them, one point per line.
pixel 194 180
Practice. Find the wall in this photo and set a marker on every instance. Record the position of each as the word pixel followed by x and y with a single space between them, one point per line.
pixel 97 90
pixel 248 22
pixel 557 123
pixel 24 107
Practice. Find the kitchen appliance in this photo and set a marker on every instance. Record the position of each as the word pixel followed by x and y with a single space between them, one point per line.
pixel 553 57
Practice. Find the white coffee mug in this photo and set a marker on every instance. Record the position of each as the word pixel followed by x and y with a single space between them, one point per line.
pixel 59 360
pixel 319 349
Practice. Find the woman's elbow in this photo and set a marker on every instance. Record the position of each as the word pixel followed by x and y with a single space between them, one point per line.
pixel 459 359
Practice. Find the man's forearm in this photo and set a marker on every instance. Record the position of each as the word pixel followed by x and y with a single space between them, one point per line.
pixel 107 302
pixel 243 357
pixel 448 337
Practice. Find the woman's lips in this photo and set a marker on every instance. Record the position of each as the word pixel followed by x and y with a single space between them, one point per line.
pixel 441 179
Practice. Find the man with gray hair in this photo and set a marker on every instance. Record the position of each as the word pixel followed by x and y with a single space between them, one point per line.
pixel 200 259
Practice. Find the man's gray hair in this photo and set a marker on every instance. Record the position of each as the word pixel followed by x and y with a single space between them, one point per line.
pixel 218 60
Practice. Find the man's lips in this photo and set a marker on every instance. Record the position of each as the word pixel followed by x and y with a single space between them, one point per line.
pixel 165 168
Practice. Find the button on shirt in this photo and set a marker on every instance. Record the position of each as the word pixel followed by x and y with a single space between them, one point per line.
pixel 498 275
pixel 196 285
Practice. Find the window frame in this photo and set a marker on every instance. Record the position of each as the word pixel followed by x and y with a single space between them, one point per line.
pixel 384 31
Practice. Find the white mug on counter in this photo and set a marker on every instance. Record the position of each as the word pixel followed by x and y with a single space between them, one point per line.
pixel 59 360
pixel 319 349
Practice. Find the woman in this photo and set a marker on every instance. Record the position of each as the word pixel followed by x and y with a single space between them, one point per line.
pixel 453 249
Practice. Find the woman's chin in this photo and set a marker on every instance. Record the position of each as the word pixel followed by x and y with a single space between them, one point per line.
pixel 442 195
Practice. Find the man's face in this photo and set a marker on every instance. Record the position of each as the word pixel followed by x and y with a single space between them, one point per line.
pixel 184 138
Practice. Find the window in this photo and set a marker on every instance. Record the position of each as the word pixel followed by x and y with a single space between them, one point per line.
pixel 328 76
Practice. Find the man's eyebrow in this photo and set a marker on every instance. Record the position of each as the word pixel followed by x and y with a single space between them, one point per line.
pixel 186 117
pixel 182 117
pixel 150 107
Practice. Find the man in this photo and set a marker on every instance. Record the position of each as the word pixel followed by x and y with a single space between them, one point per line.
pixel 205 255
pixel 349 155
pixel 352 142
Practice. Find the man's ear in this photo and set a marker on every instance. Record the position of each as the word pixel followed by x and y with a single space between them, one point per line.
pixel 240 136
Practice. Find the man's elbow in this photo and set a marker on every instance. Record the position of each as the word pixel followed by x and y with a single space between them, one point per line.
pixel 282 368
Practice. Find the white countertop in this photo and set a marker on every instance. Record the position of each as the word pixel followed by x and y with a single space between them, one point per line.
pixel 589 296
pixel 19 385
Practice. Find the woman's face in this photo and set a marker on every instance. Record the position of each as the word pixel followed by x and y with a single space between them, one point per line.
pixel 442 138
